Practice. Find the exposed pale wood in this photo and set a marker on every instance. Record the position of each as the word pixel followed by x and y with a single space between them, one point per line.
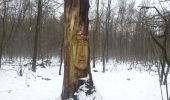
pixel 76 47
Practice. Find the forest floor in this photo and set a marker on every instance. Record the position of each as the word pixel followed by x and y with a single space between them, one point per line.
pixel 119 82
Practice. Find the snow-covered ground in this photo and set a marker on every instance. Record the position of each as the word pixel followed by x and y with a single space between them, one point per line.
pixel 117 83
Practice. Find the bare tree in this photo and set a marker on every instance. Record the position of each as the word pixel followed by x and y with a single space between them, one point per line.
pixel 38 27
pixel 96 32
pixel 3 28
pixel 161 40
pixel 105 52
pixel 61 44
pixel 108 14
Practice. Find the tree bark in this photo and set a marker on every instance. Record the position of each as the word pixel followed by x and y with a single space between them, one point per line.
pixel 76 49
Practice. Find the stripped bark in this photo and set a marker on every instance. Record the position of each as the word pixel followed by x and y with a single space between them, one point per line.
pixel 76 49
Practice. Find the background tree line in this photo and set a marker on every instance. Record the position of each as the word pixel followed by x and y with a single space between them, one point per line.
pixel 122 33
pixel 118 30
pixel 18 21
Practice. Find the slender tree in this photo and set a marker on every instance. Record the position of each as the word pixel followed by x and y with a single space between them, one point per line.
pixel 38 26
pixel 62 44
pixel 76 50
pixel 108 13
pixel 96 31
pixel 3 29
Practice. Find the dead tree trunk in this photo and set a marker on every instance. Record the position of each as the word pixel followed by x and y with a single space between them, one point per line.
pixel 38 25
pixel 76 50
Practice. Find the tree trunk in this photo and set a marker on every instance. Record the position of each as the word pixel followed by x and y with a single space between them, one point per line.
pixel 61 55
pixel 76 49
pixel 38 25
pixel 95 33
pixel 3 30
pixel 62 45
pixel 108 12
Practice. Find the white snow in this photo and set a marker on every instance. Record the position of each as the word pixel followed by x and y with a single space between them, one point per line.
pixel 117 83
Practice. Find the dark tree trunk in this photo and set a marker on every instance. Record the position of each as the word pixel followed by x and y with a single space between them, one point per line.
pixel 95 33
pixel 3 30
pixel 108 29
pixel 62 45
pixel 76 49
pixel 61 55
pixel 38 25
